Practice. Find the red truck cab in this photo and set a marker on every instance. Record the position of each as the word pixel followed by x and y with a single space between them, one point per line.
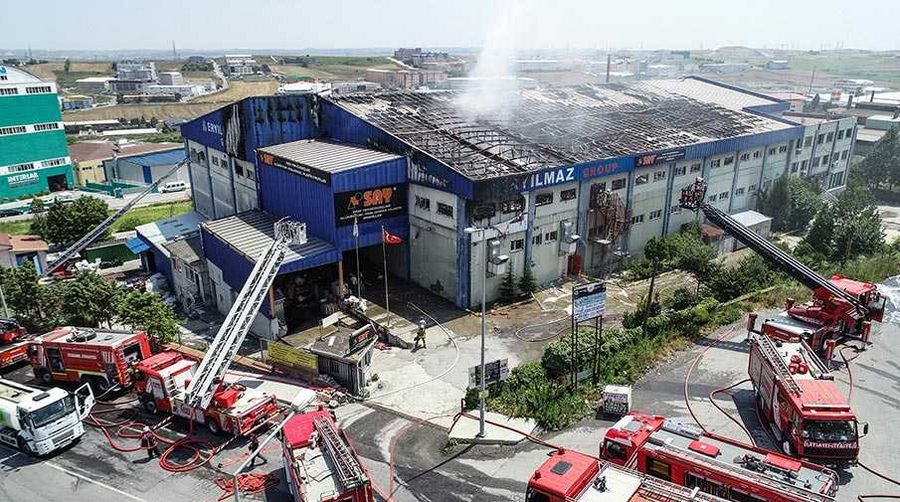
pixel 103 358
pixel 13 347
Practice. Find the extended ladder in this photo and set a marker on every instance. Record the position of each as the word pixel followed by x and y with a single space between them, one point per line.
pixel 660 491
pixel 770 352
pixel 244 309
pixel 693 198
pixel 740 472
pixel 350 472
pixel 100 229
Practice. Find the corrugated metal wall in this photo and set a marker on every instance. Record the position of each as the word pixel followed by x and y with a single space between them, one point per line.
pixel 283 193
pixel 235 268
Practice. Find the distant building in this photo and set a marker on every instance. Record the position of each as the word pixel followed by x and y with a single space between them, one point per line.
pixel 417 57
pixel 722 68
pixel 353 87
pixel 171 78
pixel 33 153
pixel 240 64
pixel 855 86
pixel 304 88
pixel 182 90
pixel 119 86
pixel 73 102
pixel 405 79
pixel 136 70
pixel 16 250
pixel 778 64
pixel 88 156
pixel 93 85
pixel 543 65
pixel 146 168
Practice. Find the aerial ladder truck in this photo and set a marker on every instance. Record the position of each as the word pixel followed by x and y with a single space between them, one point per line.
pixel 171 382
pixel 79 245
pixel 840 307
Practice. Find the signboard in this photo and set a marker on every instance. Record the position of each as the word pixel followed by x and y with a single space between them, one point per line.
pixel 361 337
pixel 588 301
pixel 304 170
pixel 369 205
pixel 286 355
pixel 494 371
pixel 15 180
pixel 659 157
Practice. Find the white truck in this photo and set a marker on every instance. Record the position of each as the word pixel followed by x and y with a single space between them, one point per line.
pixel 41 421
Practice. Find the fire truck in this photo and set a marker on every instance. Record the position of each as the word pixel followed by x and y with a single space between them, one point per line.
pixel 839 307
pixel 570 476
pixel 683 454
pixel 162 379
pixel 102 358
pixel 800 400
pixel 319 463
pixel 13 347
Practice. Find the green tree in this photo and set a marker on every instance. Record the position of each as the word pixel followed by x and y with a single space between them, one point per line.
pixel 858 235
pixel 88 300
pixel 527 283
pixel 66 223
pixel 508 286
pixel 821 234
pixel 805 203
pixel 776 202
pixel 37 205
pixel 148 311
pixel 882 164
pixel 67 65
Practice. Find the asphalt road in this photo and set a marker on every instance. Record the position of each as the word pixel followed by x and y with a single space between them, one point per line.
pixel 91 470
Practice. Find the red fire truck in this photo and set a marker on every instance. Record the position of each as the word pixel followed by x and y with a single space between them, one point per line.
pixel 160 384
pixel 685 455
pixel 802 403
pixel 102 358
pixel 319 464
pixel 570 476
pixel 13 347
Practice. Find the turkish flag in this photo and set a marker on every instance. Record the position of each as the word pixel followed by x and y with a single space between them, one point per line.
pixel 390 238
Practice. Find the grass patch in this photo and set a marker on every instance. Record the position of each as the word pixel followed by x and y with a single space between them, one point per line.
pixel 15 227
pixel 67 80
pixel 146 214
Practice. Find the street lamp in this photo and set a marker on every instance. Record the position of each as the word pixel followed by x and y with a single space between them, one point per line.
pixel 498 260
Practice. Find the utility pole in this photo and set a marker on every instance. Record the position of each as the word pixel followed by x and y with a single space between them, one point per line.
pixel 811 80
pixel 174 53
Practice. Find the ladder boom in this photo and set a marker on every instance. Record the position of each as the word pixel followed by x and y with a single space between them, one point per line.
pixel 100 229
pixel 244 309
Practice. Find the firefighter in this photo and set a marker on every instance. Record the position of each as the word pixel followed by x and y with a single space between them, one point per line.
pixel 148 441
pixel 420 335
pixel 252 446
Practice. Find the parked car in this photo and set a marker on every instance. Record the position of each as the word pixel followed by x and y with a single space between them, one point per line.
pixel 12 211
pixel 173 186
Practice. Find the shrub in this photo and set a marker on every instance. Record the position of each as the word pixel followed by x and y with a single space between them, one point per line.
pixel 527 284
pixel 681 299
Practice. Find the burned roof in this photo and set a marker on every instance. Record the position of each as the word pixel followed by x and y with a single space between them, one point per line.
pixel 550 127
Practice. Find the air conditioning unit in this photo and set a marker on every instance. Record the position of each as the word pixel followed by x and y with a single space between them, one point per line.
pixel 568 239
pixel 496 262
pixel 798 151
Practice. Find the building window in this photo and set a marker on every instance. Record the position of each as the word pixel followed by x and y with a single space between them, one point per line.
pixel 807 141
pixel 9 91
pixel 757 154
pixel 618 184
pixel 680 170
pixel 445 209
pixel 845 154
pixel 542 199
pixel 12 130
pixel 696 167
pixel 656 214
pixel 782 149
pixel 659 175
pixel 675 209
pixel 739 192
pixel 840 134
pixel 423 203
pixel 793 167
pixel 38 90
pixel 715 162
pixel 551 236
pixel 249 173
pixel 849 132
pixel 637 219
pixel 49 126
pixel 215 161
pixel 729 160
pixel 537 239
pixel 18 168
pixel 567 194
pixel 512 206
pixel 820 139
pixel 745 156
pixel 53 162
pixel 516 245
pixel 815 162
pixel 640 180
pixel 830 137
pixel 824 160
pixel 751 188
pixel 772 151
pixel 723 195
pixel 803 164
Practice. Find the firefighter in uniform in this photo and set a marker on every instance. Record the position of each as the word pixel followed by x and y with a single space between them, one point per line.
pixel 148 441
pixel 420 335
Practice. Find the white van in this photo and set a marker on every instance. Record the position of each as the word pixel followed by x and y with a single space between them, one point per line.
pixel 173 186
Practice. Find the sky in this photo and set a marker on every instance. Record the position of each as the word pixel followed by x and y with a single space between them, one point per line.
pixel 541 24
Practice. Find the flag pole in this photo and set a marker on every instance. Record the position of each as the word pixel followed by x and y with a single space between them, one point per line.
pixel 387 304
pixel 358 276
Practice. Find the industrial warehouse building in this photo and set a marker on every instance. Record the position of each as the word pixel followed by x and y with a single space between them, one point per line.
pixel 563 181
pixel 33 153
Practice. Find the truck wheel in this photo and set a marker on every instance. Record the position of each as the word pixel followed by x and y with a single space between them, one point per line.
pixel 213 427
pixel 23 445
pixel 150 406
pixel 99 384
pixel 44 376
